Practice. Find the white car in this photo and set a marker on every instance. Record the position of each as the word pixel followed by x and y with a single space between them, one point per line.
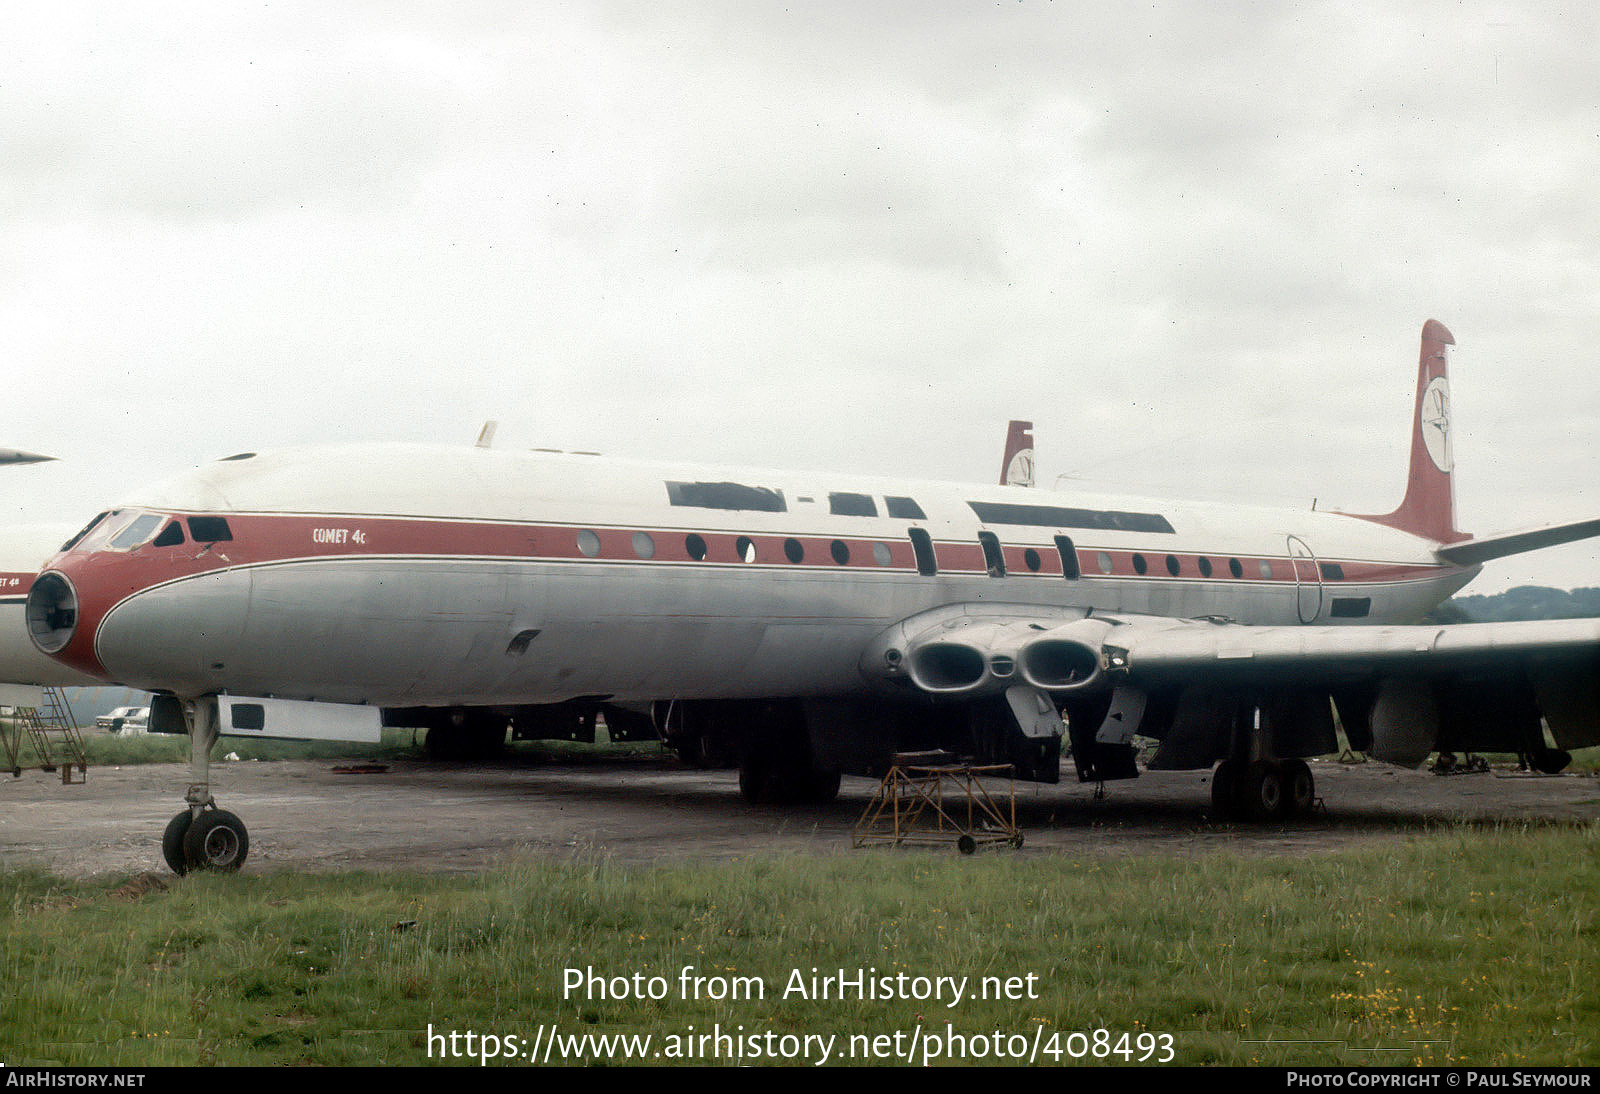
pixel 125 720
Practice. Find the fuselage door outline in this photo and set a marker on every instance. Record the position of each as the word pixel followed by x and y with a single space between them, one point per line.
pixel 1307 580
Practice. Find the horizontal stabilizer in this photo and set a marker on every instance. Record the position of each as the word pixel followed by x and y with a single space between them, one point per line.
pixel 1473 551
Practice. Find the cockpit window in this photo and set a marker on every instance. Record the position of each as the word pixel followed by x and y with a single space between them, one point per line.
pixel 101 533
pixel 209 529
pixel 170 536
pixel 87 528
pixel 136 532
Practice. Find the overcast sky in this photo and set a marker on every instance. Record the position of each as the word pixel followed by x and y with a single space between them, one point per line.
pixel 1194 243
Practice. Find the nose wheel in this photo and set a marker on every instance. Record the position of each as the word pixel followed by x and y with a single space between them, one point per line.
pixel 215 840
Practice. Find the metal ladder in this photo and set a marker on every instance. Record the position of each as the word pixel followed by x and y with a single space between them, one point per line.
pixel 53 734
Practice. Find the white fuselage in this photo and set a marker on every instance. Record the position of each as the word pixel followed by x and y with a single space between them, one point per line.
pixel 407 575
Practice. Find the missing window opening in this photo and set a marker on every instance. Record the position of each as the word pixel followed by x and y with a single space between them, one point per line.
pixel 726 495
pixel 904 509
pixel 852 505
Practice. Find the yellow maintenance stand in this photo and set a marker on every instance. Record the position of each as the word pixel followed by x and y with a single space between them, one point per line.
pixel 933 798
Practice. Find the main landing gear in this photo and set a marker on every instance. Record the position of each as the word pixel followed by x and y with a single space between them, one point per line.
pixel 203 837
pixel 1262 790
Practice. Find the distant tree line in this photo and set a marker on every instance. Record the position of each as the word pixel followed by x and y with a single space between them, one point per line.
pixel 1523 602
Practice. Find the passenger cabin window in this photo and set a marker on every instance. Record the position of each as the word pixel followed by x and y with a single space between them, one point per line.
pixel 1331 571
pixel 209 529
pixel 922 547
pixel 993 557
pixel 904 509
pixel 852 505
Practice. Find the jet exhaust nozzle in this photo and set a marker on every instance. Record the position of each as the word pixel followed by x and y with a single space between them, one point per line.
pixel 968 660
pixel 1065 659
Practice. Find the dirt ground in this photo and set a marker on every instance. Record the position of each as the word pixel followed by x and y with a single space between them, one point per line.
pixel 306 815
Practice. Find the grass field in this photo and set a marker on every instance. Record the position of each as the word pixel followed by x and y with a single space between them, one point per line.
pixel 1470 945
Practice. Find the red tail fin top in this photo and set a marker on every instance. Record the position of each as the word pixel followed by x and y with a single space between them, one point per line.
pixel 1429 508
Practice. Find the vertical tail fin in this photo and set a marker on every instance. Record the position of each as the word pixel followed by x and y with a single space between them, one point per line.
pixel 1429 508
pixel 1016 467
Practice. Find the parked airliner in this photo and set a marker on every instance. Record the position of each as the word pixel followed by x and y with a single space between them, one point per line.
pixel 804 625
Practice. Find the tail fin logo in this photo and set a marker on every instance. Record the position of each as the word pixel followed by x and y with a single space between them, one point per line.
pixel 1434 420
pixel 1020 471
pixel 1016 466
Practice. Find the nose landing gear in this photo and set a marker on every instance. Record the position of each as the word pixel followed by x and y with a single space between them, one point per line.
pixel 203 837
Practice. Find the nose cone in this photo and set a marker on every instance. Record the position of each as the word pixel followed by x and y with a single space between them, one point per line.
pixel 52 612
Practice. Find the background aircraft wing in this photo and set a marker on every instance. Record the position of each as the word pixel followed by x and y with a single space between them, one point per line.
pixel 13 455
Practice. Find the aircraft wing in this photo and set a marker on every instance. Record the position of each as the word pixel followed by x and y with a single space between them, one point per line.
pixel 1180 650
pixel 1399 692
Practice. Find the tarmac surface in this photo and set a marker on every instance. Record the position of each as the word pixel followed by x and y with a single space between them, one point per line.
pixel 309 816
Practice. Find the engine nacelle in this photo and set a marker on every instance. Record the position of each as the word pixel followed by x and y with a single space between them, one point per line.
pixel 1066 659
pixel 968 660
